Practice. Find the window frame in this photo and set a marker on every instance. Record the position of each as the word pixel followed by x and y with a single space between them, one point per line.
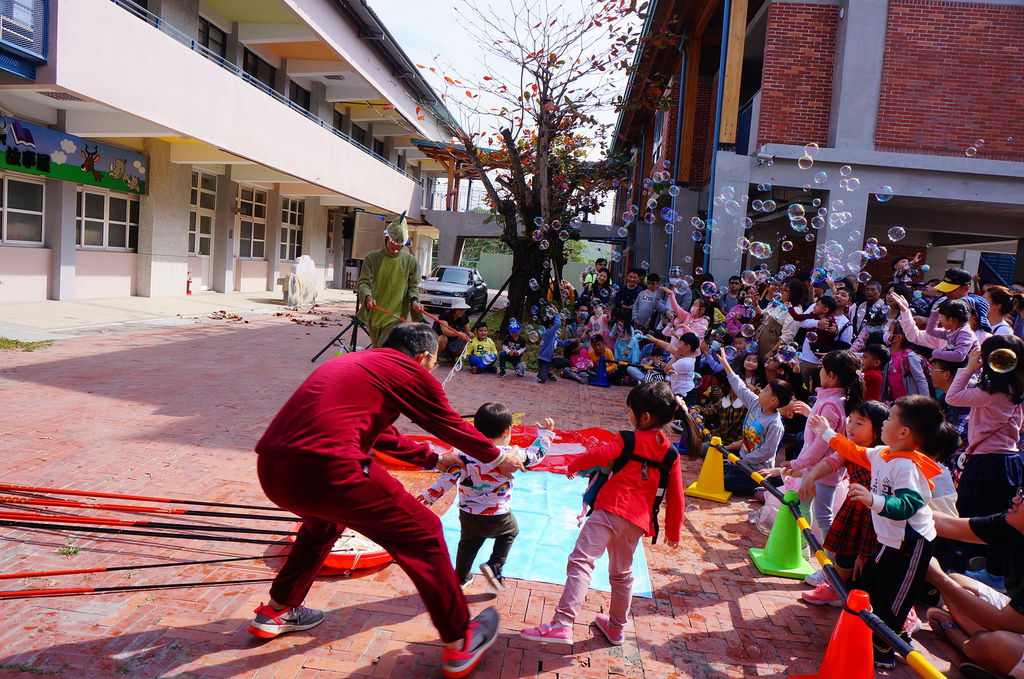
pixel 197 212
pixel 258 199
pixel 131 228
pixel 293 211
pixel 247 56
pixel 5 208
pixel 205 31
pixel 299 95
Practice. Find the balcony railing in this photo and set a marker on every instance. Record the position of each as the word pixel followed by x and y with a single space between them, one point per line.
pixel 228 65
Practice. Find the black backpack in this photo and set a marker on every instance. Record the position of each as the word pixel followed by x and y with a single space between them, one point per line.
pixel 598 478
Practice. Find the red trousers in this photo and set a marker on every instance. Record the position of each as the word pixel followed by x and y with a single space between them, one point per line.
pixel 330 494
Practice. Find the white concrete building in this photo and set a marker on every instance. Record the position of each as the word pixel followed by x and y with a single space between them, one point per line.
pixel 147 142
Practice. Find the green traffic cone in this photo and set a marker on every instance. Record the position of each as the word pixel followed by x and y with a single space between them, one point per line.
pixel 782 555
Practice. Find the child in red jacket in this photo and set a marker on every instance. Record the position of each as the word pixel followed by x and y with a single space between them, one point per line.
pixel 622 513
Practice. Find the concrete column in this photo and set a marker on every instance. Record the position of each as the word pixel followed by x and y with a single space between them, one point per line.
pixel 972 260
pixel 314 234
pixel 272 251
pixel 182 14
pixel 163 225
pixel 857 73
pixel 730 170
pixel 222 259
pixel 687 205
pixel 233 49
pixel 339 254
pixel 854 202
pixel 59 227
pixel 318 104
pixel 281 78
pixel 449 251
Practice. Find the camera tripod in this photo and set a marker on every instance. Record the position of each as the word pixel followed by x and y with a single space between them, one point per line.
pixel 354 325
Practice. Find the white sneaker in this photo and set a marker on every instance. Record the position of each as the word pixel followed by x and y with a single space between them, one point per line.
pixel 520 369
pixel 816 578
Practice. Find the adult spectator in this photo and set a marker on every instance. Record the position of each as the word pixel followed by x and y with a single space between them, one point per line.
pixel 872 300
pixel 984 624
pixel 956 284
pixel 627 294
pixel 731 296
pixel 922 306
pixel 682 291
pixel 389 279
pixel 600 264
pixel 315 460
pixel 450 344
pixel 649 303
pixel 1000 309
pixel 598 292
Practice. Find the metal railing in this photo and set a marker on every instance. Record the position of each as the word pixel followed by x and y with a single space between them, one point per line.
pixel 228 65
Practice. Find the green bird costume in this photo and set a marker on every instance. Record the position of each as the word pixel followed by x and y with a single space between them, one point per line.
pixel 392 280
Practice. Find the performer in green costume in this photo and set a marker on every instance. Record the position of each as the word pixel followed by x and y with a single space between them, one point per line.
pixel 389 279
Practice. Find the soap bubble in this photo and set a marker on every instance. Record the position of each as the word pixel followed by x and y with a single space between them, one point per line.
pixel 538 235
pixel 805 162
pixel 616 255
pixel 817 222
pixel 697 235
pixel 1002 360
pixel 748 277
pixel 649 217
pixel 697 222
pixel 971 151
pixel 698 270
pixel 707 248
pixel 809 237
pixel 668 214
pixel 747 222
pixel 743 244
pixel 645 265
pixel 818 275
pixel 673 191
pixel 770 206
pixel 563 235
pixel 807 187
pixel 852 184
pixel 666 163
pixel 857 260
pixel 799 224
pixel 534 336
pixel 897 233
pixel 688 279
pixel 796 210
pixel 687 259
pixel 757 205
pixel 761 250
pixel 871 241
pixel 787 353
pixel 845 171
pixel 925 268
pixel 729 192
pixel 883 194
pixel 787 245
pixel 820 177
pixel 628 217
pixel 623 231
pixel 544 244
pixel 648 183
pixel 534 285
pixel 669 228
pixel 810 149
pixel 812 337
pixel 864 277
pixel 708 289
pixel 539 221
pixel 747 330
pixel 730 352
pixel 733 208
pixel 751 347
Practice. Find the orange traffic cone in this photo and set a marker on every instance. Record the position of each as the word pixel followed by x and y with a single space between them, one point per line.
pixel 710 483
pixel 849 653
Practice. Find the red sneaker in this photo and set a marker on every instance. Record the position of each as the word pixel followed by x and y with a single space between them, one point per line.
pixel 548 633
pixel 822 595
pixel 481 633
pixel 604 623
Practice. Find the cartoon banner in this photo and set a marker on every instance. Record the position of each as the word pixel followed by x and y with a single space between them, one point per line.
pixel 51 153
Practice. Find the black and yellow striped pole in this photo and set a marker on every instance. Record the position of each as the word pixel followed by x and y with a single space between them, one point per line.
pixel 914 658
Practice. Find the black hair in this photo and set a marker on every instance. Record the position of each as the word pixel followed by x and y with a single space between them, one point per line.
pixel 492 419
pixel 875 284
pixel 922 416
pixel 1000 298
pixel 829 302
pixel 944 444
pixel 597 338
pixel 638 271
pixel 796 291
pixel 879 352
pixel 947 366
pixel 600 260
pixel 580 305
pixel 657 400
pixel 737 367
pixel 1010 382
pixel 653 278
pixel 876 413
pixel 412 339
pixel 480 324
pixel 846 365
pixel 781 391
pixel 735 278
pixel 955 309
pixel 690 340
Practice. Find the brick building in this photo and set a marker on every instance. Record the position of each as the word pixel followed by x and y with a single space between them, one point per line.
pixel 923 96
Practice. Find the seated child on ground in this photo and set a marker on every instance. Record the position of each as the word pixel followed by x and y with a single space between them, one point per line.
pixel 512 350
pixel 762 428
pixel 485 496
pixel 724 415
pixel 599 352
pixel 625 510
pixel 481 351
pixel 898 499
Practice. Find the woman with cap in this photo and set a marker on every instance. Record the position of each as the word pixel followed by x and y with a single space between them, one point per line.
pixel 389 280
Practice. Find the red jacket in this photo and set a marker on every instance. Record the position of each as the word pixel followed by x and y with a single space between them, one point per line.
pixel 347 406
pixel 626 494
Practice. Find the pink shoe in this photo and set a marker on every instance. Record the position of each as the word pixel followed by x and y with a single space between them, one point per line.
pixel 603 623
pixel 822 595
pixel 549 633
pixel 912 624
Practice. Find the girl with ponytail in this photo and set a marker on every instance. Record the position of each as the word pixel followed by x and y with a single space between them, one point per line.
pixel 840 392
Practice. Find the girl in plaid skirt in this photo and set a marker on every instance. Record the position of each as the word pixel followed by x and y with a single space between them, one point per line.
pixel 851 538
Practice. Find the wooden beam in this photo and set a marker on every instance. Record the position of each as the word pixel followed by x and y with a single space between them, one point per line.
pixel 733 71
pixel 704 17
pixel 451 184
pixel 689 113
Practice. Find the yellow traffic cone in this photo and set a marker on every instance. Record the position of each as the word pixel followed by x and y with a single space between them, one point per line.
pixel 710 484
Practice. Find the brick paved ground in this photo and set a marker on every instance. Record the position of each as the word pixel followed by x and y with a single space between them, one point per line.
pixel 176 412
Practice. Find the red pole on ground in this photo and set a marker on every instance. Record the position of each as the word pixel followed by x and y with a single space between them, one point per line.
pixel 110 569
pixel 97 521
pixel 140 498
pixel 49 502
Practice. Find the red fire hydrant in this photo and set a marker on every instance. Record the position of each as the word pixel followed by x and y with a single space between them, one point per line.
pixel 188 284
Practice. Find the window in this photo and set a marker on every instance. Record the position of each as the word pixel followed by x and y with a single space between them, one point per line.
pixel 201 216
pixel 339 120
pixel 22 205
pixel 259 69
pixel 252 226
pixel 298 95
pixel 358 134
pixel 292 216
pixel 106 220
pixel 659 136
pixel 378 147
pixel 212 38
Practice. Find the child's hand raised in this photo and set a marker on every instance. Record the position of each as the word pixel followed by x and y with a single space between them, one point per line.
pixel 818 425
pixel 974 360
pixel 548 424
pixel 861 494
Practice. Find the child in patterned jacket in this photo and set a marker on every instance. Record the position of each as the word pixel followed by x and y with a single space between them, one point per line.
pixel 485 496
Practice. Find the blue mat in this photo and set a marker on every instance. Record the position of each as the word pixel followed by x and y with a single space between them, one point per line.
pixel 546 506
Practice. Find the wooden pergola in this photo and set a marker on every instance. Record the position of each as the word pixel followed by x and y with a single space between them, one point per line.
pixel 454 159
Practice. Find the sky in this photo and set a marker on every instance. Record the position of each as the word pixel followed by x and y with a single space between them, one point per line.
pixel 426 28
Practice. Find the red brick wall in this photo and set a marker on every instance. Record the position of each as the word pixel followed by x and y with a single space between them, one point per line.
pixel 953 73
pixel 703 130
pixel 796 86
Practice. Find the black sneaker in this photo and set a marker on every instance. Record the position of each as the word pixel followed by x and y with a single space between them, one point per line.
pixel 481 633
pixel 492 574
pixel 501 374
pixel 268 623
pixel 885 657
